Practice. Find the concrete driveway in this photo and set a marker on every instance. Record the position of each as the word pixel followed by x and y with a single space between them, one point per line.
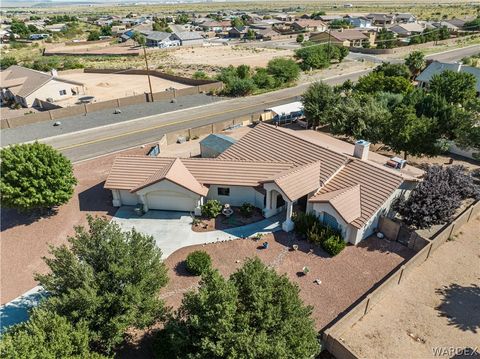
pixel 172 230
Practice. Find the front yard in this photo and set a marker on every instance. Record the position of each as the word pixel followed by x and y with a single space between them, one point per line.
pixel 221 222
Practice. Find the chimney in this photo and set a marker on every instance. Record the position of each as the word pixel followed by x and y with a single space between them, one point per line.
pixel 361 149
pixel 54 72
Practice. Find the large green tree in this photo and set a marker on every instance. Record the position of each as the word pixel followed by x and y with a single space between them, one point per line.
pixel 455 87
pixel 107 278
pixel 317 100
pixel 283 70
pixel 47 335
pixel 35 176
pixel 254 314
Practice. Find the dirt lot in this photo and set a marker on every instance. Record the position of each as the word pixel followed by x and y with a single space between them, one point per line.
pixel 227 55
pixel 111 86
pixel 437 306
pixel 344 277
pixel 105 48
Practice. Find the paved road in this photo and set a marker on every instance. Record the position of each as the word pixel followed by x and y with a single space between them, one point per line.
pixel 455 55
pixel 107 139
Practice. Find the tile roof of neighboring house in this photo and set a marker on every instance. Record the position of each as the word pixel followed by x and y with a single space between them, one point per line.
pixel 217 142
pixel 156 35
pixel 23 81
pixel 346 201
pixel 379 17
pixel 299 181
pixel 407 28
pixel 376 186
pixel 267 143
pixel 348 34
pixel 310 23
pixel 175 172
pixel 459 23
pixel 436 68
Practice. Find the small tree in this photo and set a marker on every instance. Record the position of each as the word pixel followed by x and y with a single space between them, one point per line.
pixel 263 79
pixel 318 98
pixel 283 70
pixel 47 335
pixel 94 35
pixel 254 314
pixel 415 62
pixel 139 38
pixel 108 278
pixel 198 262
pixel 211 209
pixel 435 200
pixel 455 87
pixel 35 176
pixel 300 38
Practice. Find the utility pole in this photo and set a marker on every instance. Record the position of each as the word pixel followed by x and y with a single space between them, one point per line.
pixel 148 73
pixel 329 41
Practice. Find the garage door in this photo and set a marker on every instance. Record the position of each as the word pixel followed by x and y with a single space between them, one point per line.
pixel 168 202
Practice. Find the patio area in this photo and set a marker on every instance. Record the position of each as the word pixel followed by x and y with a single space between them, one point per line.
pixel 173 230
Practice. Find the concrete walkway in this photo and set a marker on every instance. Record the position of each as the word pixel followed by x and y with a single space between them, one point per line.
pixel 172 230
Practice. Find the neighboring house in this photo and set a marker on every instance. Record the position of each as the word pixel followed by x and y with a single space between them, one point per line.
pixel 329 18
pixel 265 34
pixel 118 29
pixel 188 38
pixel 347 38
pixel 359 21
pixel 127 35
pixel 407 29
pixel 160 39
pixel 55 27
pixel 451 27
pixel 24 86
pixel 406 18
pixel 215 144
pixel 287 112
pixel 458 23
pixel 309 25
pixel 437 67
pixel 381 19
pixel 273 169
pixel 237 32
pixel 216 26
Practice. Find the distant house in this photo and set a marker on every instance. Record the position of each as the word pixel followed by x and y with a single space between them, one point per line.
pixel 381 19
pixel 25 86
pixel 160 39
pixel 451 27
pixel 407 29
pixel 358 21
pixel 309 25
pixel 118 29
pixel 329 18
pixel 406 18
pixel 215 144
pixel 188 38
pixel 265 33
pixel 216 26
pixel 237 32
pixel 127 35
pixel 347 38
pixel 437 67
pixel 458 23
pixel 55 27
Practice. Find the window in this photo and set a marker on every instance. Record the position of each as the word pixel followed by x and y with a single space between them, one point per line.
pixel 223 191
pixel 63 92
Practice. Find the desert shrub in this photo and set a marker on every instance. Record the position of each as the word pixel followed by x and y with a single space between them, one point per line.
pixel 7 62
pixel 304 222
pixel 333 244
pixel 246 210
pixel 200 75
pixel 198 262
pixel 211 209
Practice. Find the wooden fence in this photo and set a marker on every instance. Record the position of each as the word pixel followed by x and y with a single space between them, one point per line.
pixel 197 86
pixel 331 337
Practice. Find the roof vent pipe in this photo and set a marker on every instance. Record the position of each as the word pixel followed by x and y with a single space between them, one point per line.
pixel 361 150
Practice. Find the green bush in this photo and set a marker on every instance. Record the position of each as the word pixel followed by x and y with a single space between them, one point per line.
pixel 263 79
pixel 200 75
pixel 333 244
pixel 6 62
pixel 211 209
pixel 304 222
pixel 246 210
pixel 198 262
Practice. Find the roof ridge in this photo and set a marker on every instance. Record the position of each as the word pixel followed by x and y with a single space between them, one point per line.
pixel 295 169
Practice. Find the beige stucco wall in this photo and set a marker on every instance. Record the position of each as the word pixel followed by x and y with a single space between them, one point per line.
pixel 52 90
pixel 238 195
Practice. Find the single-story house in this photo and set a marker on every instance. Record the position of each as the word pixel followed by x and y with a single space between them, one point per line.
pixel 273 169
pixel 437 67
pixel 358 21
pixel 407 29
pixel 215 144
pixel 458 23
pixel 329 18
pixel 160 39
pixel 237 32
pixel 188 38
pixel 405 18
pixel 55 27
pixel 344 37
pixel 309 25
pixel 24 86
pixel 381 19
pixel 216 26
pixel 451 27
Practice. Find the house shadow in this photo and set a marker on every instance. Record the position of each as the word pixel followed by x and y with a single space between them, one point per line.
pixel 11 217
pixel 96 199
pixel 383 245
pixel 461 306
